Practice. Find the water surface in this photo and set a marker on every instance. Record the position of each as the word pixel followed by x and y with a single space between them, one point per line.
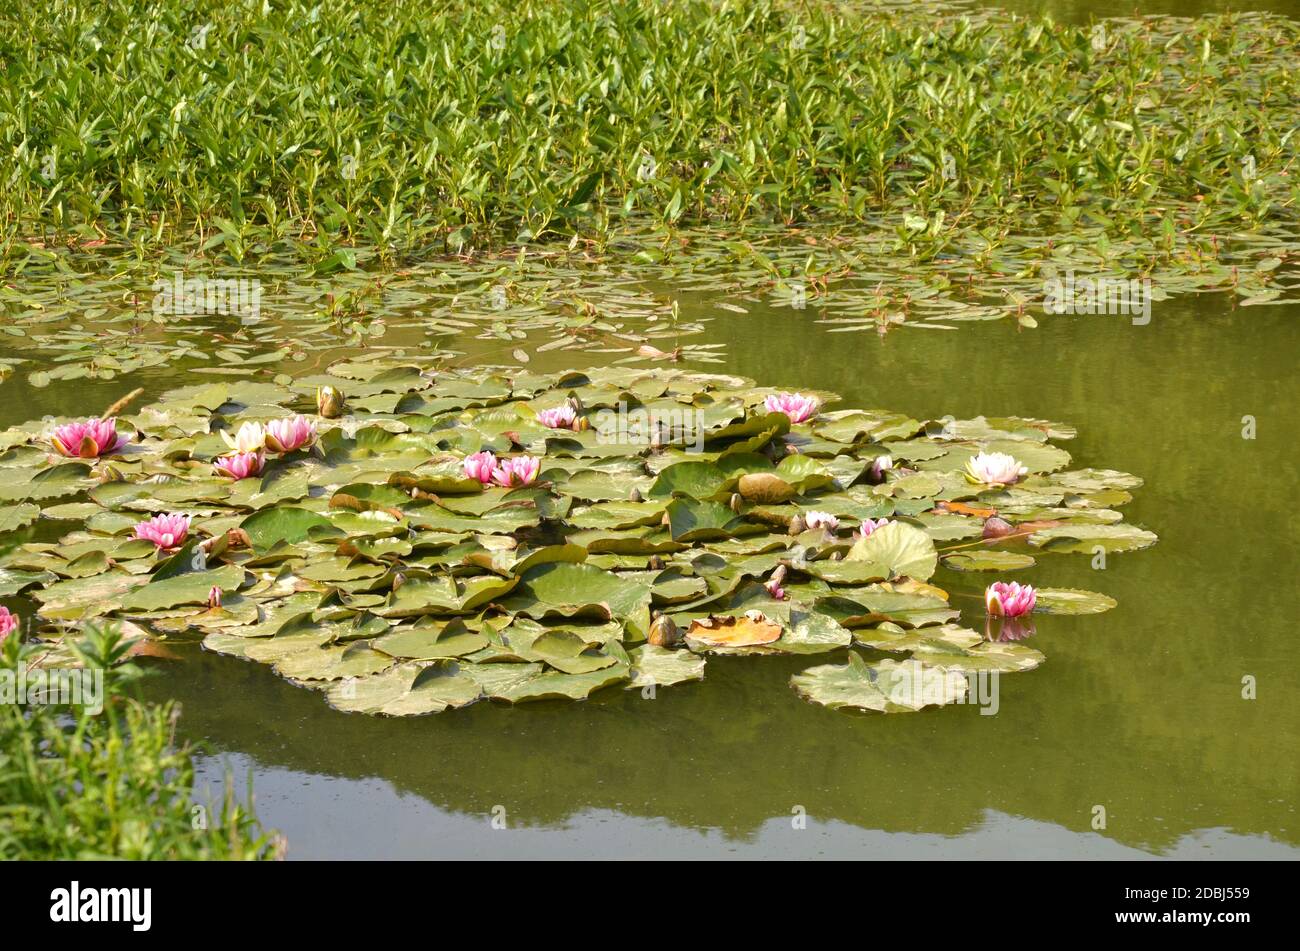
pixel 1139 711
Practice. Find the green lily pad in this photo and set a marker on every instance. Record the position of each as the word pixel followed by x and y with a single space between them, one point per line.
pixel 988 560
pixel 886 686
pixel 190 588
pixel 901 549
pixel 409 689
pixel 284 523
pixel 662 667
pixel 1072 601
pixel 374 569
pixel 1082 537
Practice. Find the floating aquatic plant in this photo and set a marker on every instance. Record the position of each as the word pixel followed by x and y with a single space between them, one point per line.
pixel 1009 599
pixel 384 570
pixel 88 440
pixel 994 468
pixel 707 112
pixel 290 435
pixel 240 464
pixel 8 623
pixel 794 405
pixel 168 532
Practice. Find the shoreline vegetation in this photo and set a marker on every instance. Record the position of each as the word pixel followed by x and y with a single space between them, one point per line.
pixel 82 781
pixel 245 131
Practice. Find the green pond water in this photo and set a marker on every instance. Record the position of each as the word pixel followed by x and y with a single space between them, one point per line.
pixel 1139 710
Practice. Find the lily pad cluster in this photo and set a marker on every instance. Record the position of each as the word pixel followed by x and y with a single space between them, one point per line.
pixel 675 517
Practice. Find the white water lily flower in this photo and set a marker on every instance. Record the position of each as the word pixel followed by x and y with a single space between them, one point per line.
pixel 994 468
pixel 821 520
pixel 250 438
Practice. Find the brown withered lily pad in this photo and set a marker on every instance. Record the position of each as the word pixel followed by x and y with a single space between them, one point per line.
pixel 748 630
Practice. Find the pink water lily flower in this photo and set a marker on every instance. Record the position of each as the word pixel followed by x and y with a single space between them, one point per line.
pixel 795 405
pixel 286 435
pixel 868 526
pixel 88 440
pixel 521 470
pixel 1003 599
pixel 559 417
pixel 821 520
pixel 1008 628
pixel 168 532
pixel 240 465
pixel 8 623
pixel 214 597
pixel 994 468
pixel 773 584
pixel 480 465
pixel 880 466
pixel 250 438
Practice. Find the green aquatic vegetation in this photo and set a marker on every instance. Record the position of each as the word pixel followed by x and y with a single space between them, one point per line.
pixel 108 321
pixel 87 783
pixel 73 317
pixel 496 533
pixel 394 178
pixel 241 129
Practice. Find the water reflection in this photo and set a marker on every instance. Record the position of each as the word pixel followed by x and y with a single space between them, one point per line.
pixel 1008 628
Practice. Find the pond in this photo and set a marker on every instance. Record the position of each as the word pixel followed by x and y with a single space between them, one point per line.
pixel 1141 711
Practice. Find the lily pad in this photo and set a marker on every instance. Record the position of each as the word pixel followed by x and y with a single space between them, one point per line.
pixel 389 570
pixel 662 667
pixel 902 549
pixel 976 560
pixel 886 686
pixel 1073 601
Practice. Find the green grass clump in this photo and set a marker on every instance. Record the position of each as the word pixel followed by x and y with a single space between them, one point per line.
pixel 254 126
pixel 79 785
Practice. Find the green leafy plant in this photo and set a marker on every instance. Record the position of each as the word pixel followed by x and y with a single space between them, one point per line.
pixel 76 784
pixel 239 128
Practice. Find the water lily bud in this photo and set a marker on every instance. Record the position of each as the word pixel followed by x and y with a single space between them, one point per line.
pixel 635 495
pixel 737 503
pixel 995 527
pixel 663 632
pixel 773 584
pixel 837 555
pixel 797 525
pixel 399 579
pixel 655 563
pixel 329 402
pixel 111 474
pixel 214 597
